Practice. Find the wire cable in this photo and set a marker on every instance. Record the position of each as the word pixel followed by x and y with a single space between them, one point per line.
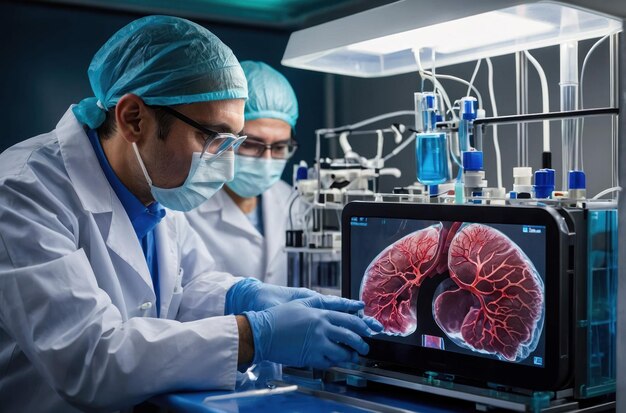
pixel 471 82
pixel 365 122
pixel 479 97
pixel 433 60
pixel 582 82
pixel 400 147
pixel 494 109
pixel 607 191
pixel 545 97
pixel 429 76
pixel 582 72
pixel 295 196
pixel 433 79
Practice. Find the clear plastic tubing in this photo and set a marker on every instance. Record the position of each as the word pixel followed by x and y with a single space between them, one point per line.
pixel 521 87
pixel 572 144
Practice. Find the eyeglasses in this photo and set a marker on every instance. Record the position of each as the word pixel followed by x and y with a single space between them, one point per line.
pixel 279 150
pixel 215 143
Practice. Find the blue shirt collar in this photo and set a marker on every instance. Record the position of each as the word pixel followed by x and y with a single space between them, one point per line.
pixel 143 218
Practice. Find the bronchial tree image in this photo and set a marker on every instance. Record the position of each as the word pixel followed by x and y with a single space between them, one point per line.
pixel 496 303
pixel 491 300
pixel 392 280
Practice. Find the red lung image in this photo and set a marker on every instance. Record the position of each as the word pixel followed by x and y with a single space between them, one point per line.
pixel 496 306
pixel 392 280
pixel 491 303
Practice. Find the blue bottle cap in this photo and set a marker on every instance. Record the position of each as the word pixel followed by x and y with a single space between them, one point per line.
pixel 513 195
pixel 577 180
pixel 429 101
pixel 433 189
pixel 544 183
pixel 468 108
pixel 473 161
pixel 541 178
pixel 301 173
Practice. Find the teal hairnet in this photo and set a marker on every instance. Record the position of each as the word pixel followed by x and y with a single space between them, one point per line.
pixel 165 61
pixel 270 94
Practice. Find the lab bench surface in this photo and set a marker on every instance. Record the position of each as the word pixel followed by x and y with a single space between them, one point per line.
pixel 313 398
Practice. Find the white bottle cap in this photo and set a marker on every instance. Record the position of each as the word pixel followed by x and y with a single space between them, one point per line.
pixel 523 188
pixel 522 175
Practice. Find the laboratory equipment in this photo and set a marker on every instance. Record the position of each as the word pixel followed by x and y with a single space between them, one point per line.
pixel 576 184
pixel 559 348
pixel 522 180
pixel 466 128
pixel 366 45
pixel 313 240
pixel 483 294
pixel 473 174
pixel 431 147
pixel 544 183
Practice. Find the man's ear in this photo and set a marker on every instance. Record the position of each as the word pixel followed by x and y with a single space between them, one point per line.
pixel 132 118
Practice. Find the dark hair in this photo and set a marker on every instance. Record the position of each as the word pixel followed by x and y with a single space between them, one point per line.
pixel 109 126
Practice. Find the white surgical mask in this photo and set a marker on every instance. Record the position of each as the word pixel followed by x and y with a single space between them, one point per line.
pixel 253 176
pixel 207 175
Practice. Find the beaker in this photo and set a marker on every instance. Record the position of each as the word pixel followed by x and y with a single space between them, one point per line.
pixel 432 158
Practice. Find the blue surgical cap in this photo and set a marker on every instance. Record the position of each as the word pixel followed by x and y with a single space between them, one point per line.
pixel 271 95
pixel 165 61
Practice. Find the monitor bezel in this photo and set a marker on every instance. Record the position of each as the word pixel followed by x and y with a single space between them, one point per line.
pixel 555 372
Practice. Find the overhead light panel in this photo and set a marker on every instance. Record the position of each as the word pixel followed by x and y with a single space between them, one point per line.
pixel 381 41
pixel 457 35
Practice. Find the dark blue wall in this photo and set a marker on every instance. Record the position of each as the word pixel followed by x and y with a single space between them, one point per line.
pixel 46 51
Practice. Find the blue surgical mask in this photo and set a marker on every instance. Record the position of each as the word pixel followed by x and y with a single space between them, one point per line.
pixel 207 175
pixel 253 176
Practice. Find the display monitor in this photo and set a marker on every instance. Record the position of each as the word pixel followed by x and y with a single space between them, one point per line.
pixel 474 291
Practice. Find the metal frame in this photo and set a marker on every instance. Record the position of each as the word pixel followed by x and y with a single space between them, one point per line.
pixel 482 397
pixel 621 287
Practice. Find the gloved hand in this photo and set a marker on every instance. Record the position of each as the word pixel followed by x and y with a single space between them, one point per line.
pixel 251 294
pixel 314 332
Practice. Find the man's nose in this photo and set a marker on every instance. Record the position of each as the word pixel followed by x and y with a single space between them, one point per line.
pixel 267 153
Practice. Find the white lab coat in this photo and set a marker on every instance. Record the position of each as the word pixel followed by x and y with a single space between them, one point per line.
pixel 77 315
pixel 236 245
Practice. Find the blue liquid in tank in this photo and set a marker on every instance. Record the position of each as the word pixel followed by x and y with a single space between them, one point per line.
pixel 432 158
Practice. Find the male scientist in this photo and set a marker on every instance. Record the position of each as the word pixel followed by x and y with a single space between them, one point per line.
pixel 251 211
pixel 107 296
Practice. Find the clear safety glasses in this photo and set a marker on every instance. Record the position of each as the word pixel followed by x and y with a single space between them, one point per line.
pixel 215 143
pixel 254 147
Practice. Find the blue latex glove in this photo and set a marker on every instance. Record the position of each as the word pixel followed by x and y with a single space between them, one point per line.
pixel 314 332
pixel 251 294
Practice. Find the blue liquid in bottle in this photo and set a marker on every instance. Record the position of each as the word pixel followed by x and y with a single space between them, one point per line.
pixel 432 158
